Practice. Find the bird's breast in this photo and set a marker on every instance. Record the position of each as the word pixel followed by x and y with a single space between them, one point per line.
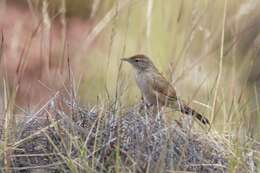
pixel 144 82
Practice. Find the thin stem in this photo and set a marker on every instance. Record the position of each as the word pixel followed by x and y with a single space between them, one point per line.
pixel 220 63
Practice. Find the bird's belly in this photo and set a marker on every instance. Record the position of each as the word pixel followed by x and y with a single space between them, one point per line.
pixel 146 90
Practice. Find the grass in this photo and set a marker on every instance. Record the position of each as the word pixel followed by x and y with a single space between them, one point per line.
pixel 98 140
pixel 90 121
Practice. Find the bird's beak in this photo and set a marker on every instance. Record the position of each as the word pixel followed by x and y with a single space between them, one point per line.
pixel 125 59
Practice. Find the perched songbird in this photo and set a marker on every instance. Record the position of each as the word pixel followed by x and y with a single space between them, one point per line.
pixel 155 89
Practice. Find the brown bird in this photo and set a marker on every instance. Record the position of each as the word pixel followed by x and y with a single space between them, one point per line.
pixel 155 89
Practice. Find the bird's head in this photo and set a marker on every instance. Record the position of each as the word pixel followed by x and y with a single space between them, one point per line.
pixel 140 62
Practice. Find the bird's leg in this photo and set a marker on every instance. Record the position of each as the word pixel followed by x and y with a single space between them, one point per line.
pixel 148 105
pixel 147 108
pixel 144 105
pixel 159 112
pixel 154 110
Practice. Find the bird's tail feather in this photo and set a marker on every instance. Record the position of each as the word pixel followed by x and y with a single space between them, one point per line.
pixel 189 111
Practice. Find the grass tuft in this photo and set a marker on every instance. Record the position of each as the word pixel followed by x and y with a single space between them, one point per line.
pixel 100 140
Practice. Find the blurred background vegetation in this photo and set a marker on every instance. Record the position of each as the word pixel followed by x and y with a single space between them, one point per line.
pixel 208 49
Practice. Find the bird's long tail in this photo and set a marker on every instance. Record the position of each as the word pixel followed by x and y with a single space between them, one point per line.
pixel 189 111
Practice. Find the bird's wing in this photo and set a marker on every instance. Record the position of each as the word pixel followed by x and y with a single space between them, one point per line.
pixel 163 89
pixel 166 94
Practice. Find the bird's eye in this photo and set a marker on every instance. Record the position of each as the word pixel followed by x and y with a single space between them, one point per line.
pixel 137 60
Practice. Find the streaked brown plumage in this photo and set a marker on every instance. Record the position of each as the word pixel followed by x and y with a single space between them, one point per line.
pixel 155 89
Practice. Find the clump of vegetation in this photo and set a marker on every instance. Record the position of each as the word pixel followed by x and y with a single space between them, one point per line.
pixel 66 137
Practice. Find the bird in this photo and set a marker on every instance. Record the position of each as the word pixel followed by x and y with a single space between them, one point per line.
pixel 156 90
